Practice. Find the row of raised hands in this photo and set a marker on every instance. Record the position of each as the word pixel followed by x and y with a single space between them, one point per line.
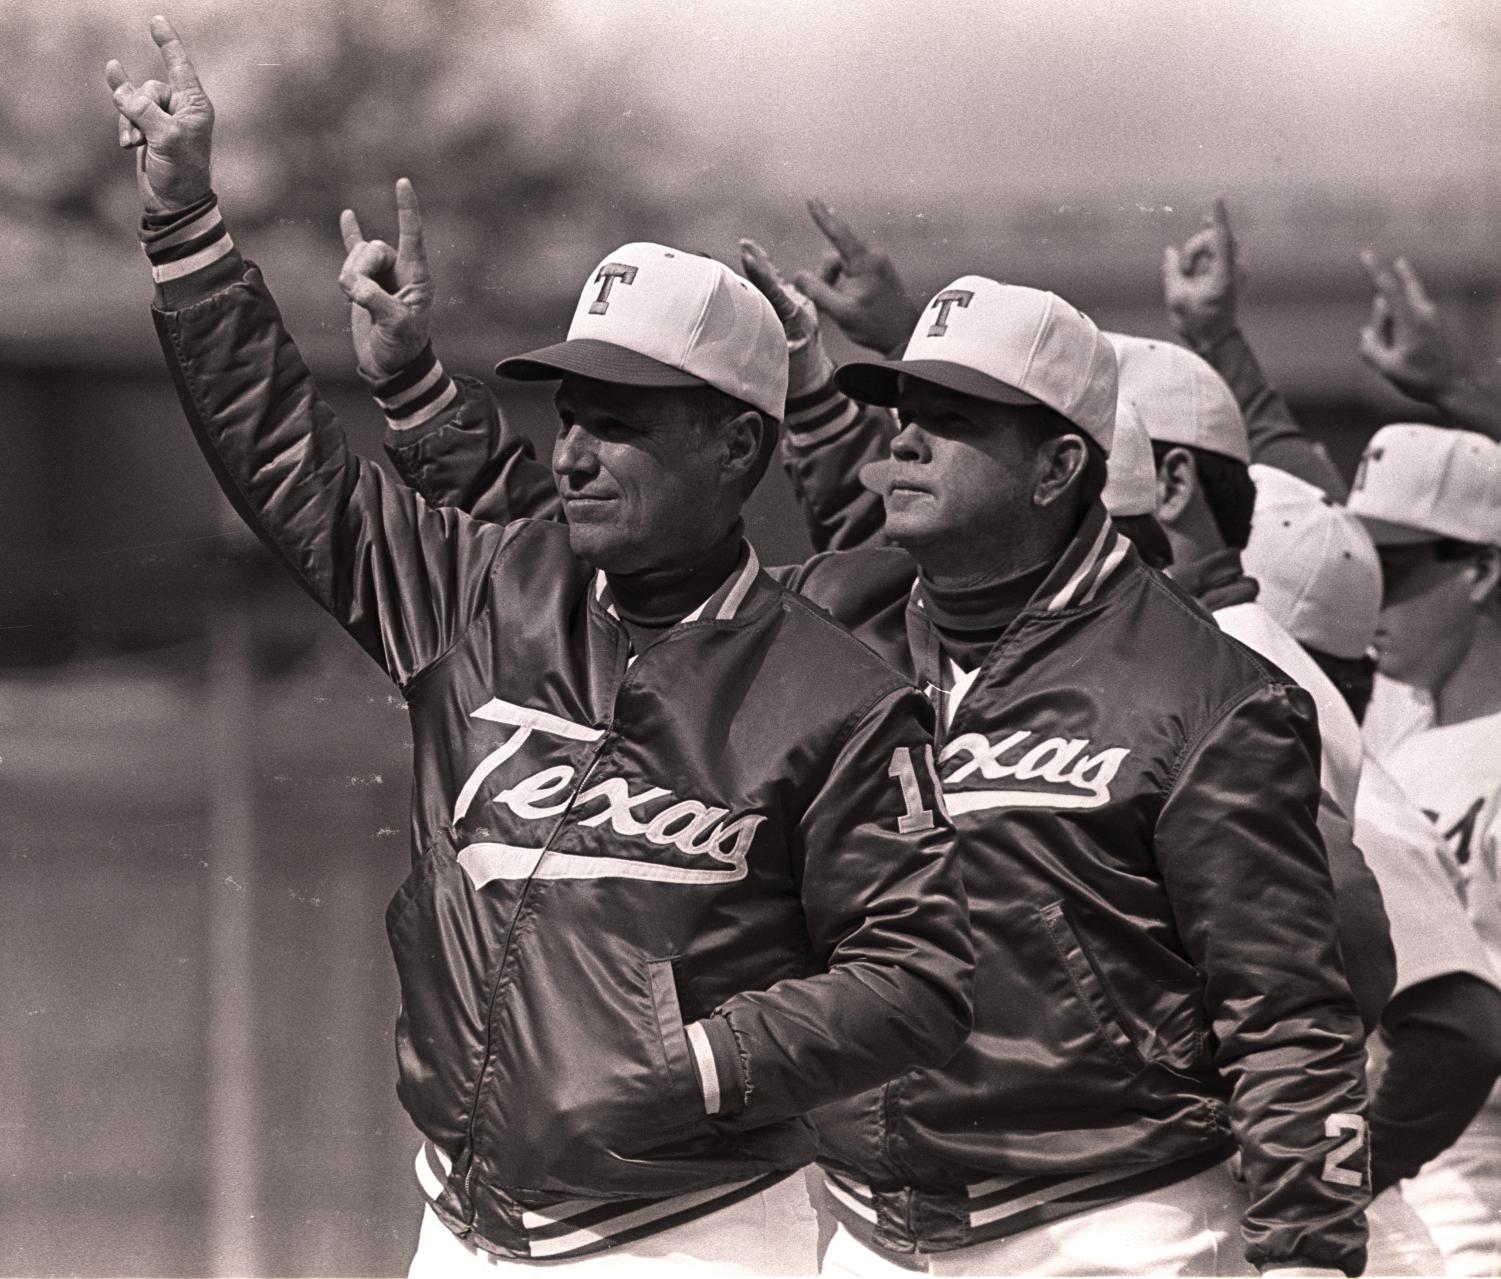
pixel 1406 338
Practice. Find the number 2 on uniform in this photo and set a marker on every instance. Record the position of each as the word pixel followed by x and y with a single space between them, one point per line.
pixel 1355 1126
pixel 917 817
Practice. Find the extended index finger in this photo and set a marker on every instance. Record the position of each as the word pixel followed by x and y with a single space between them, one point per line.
pixel 409 247
pixel 839 232
pixel 179 66
pixel 1219 223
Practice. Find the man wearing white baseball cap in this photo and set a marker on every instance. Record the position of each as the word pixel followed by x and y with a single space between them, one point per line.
pixel 1006 1166
pixel 1441 1031
pixel 1431 499
pixel 1086 1126
pixel 679 870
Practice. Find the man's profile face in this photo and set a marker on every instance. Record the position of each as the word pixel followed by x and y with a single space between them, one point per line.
pixel 640 488
pixel 1427 617
pixel 959 469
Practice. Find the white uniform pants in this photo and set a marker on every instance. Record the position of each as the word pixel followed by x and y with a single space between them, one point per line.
pixel 1458 1196
pixel 771 1233
pixel 1191 1228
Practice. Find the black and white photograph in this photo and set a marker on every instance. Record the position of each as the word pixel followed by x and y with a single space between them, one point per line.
pixel 731 638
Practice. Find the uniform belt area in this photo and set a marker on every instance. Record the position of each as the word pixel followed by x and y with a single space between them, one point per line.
pixel 578 1227
pixel 905 1222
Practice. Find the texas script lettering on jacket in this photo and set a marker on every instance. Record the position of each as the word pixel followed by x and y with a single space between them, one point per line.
pixel 693 828
pixel 1058 772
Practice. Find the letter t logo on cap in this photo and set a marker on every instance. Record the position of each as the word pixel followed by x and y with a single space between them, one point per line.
pixel 608 274
pixel 944 302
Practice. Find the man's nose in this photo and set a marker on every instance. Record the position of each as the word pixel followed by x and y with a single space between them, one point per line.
pixel 910 444
pixel 571 451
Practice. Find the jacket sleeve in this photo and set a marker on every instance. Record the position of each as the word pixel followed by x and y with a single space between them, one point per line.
pixel 404 580
pixel 1249 886
pixel 1444 1054
pixel 468 456
pixel 1277 439
pixel 826 439
pixel 888 920
pixel 1365 934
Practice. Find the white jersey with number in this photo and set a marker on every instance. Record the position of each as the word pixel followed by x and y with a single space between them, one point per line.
pixel 1453 774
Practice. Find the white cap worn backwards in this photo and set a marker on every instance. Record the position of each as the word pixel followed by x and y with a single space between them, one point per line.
pixel 1420 483
pixel 1319 573
pixel 654 316
pixel 1181 399
pixel 1005 343
pixel 1131 481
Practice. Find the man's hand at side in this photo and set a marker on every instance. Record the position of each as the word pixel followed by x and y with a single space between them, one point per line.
pixel 171 123
pixel 391 290
pixel 858 286
pixel 1199 282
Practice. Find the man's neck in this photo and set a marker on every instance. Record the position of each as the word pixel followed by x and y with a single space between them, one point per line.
pixel 652 601
pixel 1474 689
pixel 959 564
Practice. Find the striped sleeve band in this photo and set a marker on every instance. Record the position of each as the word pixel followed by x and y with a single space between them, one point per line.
pixel 716 1058
pixel 818 414
pixel 417 394
pixel 181 250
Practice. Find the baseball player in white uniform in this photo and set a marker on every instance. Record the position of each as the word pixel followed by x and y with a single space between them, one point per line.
pixel 1431 498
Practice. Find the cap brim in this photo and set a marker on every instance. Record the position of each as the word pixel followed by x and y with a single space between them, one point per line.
pixel 1385 533
pixel 591 358
pixel 877 381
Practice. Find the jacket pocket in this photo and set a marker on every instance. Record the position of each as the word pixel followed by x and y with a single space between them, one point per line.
pixel 1090 989
pixel 681 1076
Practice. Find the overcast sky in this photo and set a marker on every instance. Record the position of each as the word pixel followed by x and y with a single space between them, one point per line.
pixel 1071 98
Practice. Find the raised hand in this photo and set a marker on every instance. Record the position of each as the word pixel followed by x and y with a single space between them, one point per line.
pixel 808 364
pixel 172 124
pixel 1199 281
pixel 1406 339
pixel 391 290
pixel 858 286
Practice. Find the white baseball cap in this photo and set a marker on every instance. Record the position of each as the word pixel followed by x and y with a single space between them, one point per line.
pixel 1005 343
pixel 1131 481
pixel 1319 573
pixel 654 316
pixel 1419 483
pixel 1180 397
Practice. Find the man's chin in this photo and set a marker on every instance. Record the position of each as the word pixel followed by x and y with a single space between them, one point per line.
pixel 601 547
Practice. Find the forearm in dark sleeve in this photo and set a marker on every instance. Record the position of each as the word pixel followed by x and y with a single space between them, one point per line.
pixel 1444 1042
pixel 826 439
pixel 404 580
pixel 471 458
pixel 1276 437
pixel 1239 828
pixel 886 913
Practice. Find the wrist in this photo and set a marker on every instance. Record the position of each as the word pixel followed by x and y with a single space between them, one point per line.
pixel 1204 338
pixel 414 394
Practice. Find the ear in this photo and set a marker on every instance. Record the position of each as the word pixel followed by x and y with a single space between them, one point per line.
pixel 1177 482
pixel 1059 461
pixel 1487 567
pixel 739 442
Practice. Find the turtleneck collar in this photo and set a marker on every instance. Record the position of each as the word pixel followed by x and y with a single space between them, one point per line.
pixel 969 619
pixel 653 601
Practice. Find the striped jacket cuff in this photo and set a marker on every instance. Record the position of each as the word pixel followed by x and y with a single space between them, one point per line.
pixel 818 414
pixel 191 253
pixel 417 394
pixel 716 1058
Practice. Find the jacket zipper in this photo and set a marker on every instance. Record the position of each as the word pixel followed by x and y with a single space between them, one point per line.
pixel 505 961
